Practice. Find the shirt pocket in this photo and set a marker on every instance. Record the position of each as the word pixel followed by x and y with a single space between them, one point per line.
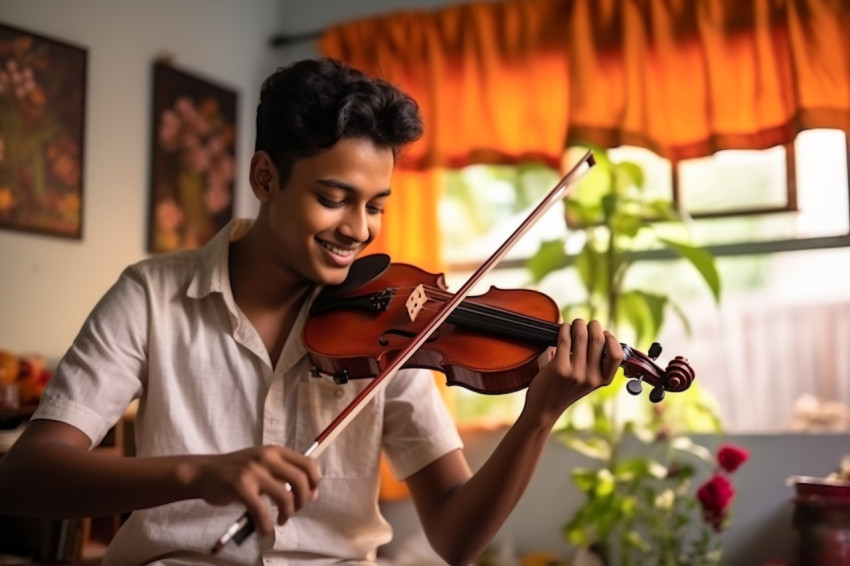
pixel 355 452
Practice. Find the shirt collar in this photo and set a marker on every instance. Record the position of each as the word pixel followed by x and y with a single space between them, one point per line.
pixel 211 272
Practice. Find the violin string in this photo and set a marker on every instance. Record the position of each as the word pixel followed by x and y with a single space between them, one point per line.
pixel 498 314
pixel 489 317
pixel 525 325
pixel 494 310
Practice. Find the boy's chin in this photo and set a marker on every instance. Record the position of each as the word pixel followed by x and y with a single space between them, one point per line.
pixel 330 277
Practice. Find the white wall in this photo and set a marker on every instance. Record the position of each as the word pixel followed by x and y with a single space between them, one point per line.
pixel 48 285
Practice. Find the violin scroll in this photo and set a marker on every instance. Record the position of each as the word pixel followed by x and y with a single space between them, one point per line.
pixel 640 367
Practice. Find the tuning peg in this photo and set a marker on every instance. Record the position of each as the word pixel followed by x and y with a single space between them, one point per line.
pixel 634 386
pixel 657 394
pixel 654 351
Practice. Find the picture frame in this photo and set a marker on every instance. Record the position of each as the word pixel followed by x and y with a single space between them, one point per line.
pixel 193 159
pixel 42 127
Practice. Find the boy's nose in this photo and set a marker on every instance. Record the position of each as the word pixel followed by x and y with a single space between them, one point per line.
pixel 355 226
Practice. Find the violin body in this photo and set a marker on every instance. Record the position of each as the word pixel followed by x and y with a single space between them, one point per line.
pixel 359 337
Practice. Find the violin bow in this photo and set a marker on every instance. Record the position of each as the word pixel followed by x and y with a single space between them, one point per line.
pixel 243 527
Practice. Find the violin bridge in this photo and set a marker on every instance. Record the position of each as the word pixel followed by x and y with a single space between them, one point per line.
pixel 416 301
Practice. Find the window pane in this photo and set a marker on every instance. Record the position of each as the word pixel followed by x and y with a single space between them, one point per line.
pixel 822 199
pixel 484 204
pixel 734 181
pixel 822 183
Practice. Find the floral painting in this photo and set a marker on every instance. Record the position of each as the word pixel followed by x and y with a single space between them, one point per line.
pixel 192 176
pixel 42 114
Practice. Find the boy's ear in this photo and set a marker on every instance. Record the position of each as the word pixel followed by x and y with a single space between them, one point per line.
pixel 262 175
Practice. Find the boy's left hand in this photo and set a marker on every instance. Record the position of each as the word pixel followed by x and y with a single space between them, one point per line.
pixel 575 369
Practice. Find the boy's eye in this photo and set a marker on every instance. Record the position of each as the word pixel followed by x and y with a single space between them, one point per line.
pixel 330 203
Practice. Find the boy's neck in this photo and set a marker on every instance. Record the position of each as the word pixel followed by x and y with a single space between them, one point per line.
pixel 257 280
pixel 268 296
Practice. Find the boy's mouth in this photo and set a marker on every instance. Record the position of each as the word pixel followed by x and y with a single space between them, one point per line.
pixel 337 250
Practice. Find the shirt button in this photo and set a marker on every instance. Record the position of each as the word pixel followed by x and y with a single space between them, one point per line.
pixel 339 393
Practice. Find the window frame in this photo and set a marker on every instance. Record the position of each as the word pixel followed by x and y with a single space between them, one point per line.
pixel 732 249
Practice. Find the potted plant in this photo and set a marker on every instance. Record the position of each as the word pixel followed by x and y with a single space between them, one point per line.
pixel 637 507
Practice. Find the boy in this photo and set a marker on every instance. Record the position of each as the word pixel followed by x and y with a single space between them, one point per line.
pixel 209 341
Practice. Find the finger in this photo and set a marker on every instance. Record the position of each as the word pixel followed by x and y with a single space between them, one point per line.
pixel 284 494
pixel 613 357
pixel 310 468
pixel 595 347
pixel 249 491
pixel 578 335
pixel 295 478
pixel 283 498
pixel 561 355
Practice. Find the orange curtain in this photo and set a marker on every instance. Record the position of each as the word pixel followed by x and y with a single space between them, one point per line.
pixel 410 229
pixel 520 80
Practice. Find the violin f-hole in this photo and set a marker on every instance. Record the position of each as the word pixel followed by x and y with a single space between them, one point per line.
pixel 384 341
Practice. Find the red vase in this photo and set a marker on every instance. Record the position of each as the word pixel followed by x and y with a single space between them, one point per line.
pixel 822 520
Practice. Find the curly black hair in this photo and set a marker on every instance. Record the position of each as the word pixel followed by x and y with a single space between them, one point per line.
pixel 308 106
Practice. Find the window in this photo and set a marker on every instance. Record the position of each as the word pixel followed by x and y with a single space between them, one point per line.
pixel 771 200
pixel 751 208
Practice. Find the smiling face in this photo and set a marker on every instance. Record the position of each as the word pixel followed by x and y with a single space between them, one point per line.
pixel 328 210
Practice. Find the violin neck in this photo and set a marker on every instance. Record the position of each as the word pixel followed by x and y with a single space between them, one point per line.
pixel 511 325
pixel 506 324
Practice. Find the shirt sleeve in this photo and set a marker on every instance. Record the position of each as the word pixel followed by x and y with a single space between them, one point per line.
pixel 103 370
pixel 418 427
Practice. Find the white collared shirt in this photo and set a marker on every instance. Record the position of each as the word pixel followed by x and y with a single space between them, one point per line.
pixel 169 333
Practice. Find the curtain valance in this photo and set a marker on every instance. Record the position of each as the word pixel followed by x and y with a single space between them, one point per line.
pixel 520 80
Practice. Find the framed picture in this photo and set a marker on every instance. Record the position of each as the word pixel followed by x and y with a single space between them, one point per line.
pixel 42 119
pixel 193 159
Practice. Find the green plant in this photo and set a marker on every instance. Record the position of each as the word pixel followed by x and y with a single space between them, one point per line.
pixel 637 506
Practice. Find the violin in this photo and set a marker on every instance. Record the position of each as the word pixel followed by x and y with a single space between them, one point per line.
pixel 491 343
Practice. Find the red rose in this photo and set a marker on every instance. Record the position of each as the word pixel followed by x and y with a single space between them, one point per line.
pixel 731 457
pixel 714 496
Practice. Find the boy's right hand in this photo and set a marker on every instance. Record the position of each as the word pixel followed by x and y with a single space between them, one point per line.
pixel 290 479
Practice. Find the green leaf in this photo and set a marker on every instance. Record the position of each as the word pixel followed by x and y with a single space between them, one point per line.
pixel 592 447
pixel 626 225
pixel 631 469
pixel 628 174
pixel 702 260
pixel 580 215
pixel 576 310
pixel 584 479
pixel 605 483
pixel 662 209
pixel 643 432
pixel 593 270
pixel 549 257
pixel 695 410
pixel 644 312
pixel 634 539
pixel 686 444
pixel 577 535
pixel 597 182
